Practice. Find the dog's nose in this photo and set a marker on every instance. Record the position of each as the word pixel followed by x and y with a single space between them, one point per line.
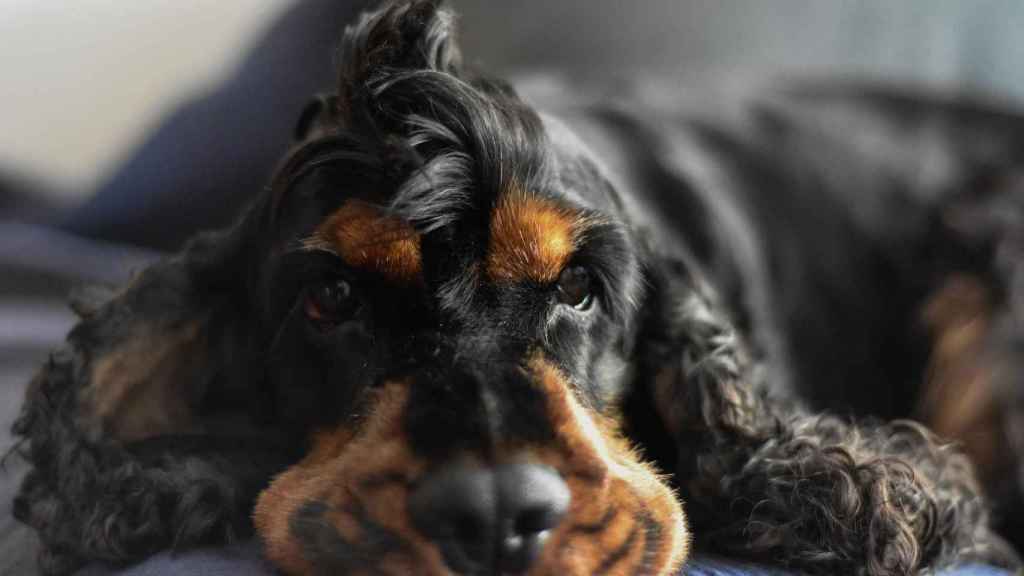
pixel 492 519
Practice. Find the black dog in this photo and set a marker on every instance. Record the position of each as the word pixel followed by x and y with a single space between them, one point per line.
pixel 445 316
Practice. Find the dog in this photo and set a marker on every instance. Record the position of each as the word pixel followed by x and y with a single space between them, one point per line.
pixel 458 335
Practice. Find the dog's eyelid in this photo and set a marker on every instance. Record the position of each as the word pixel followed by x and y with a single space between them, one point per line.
pixel 313 246
pixel 306 261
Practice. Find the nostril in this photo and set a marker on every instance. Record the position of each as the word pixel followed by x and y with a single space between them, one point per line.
pixel 519 551
pixel 537 519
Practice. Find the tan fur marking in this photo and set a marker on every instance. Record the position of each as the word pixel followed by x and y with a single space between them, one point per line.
pixel 366 237
pixel 532 238
pixel 592 442
pixel 142 388
pixel 332 473
pixel 958 400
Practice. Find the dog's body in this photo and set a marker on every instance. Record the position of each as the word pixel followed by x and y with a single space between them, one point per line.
pixel 446 315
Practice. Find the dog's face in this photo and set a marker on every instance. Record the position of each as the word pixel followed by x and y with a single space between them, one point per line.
pixel 467 381
pixel 476 369
pixel 452 291
pixel 436 300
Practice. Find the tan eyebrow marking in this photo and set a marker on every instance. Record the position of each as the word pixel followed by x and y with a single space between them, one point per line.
pixel 532 238
pixel 366 237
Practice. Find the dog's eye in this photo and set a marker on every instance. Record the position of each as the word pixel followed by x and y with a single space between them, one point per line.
pixel 329 302
pixel 574 287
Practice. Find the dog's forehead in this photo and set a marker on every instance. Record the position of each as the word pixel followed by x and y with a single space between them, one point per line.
pixel 526 236
pixel 527 229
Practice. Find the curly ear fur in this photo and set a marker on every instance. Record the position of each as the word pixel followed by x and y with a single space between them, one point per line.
pixel 765 479
pixel 132 429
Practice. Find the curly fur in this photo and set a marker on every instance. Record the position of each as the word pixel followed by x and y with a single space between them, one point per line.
pixel 100 501
pixel 766 479
pixel 94 498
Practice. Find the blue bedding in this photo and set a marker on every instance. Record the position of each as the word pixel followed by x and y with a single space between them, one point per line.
pixel 245 559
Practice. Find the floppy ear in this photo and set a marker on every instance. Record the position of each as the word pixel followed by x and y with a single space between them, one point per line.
pixel 685 343
pixel 762 476
pixel 139 432
pixel 148 359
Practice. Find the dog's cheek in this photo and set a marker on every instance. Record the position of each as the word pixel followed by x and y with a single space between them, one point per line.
pixel 349 477
pixel 274 507
pixel 623 519
pixel 294 488
pixel 659 512
pixel 630 524
pixel 373 478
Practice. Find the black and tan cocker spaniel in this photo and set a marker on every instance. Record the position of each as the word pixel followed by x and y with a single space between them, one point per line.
pixel 459 335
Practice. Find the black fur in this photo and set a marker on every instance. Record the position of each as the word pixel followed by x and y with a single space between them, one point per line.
pixel 738 308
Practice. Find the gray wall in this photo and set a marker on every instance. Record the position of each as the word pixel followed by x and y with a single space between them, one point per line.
pixel 975 43
pixel 86 80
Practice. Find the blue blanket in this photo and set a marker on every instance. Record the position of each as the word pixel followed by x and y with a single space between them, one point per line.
pixel 246 559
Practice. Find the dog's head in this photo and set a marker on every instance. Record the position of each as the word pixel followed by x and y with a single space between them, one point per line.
pixel 439 292
pixel 451 267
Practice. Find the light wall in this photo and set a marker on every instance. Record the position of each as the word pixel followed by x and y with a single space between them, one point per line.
pixel 82 80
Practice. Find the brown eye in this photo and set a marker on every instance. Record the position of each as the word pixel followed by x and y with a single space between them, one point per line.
pixel 329 302
pixel 574 288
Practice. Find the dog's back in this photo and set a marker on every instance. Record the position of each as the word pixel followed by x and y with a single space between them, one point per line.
pixel 867 236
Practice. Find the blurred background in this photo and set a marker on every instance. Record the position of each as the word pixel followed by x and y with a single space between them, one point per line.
pixel 108 153
pixel 86 81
